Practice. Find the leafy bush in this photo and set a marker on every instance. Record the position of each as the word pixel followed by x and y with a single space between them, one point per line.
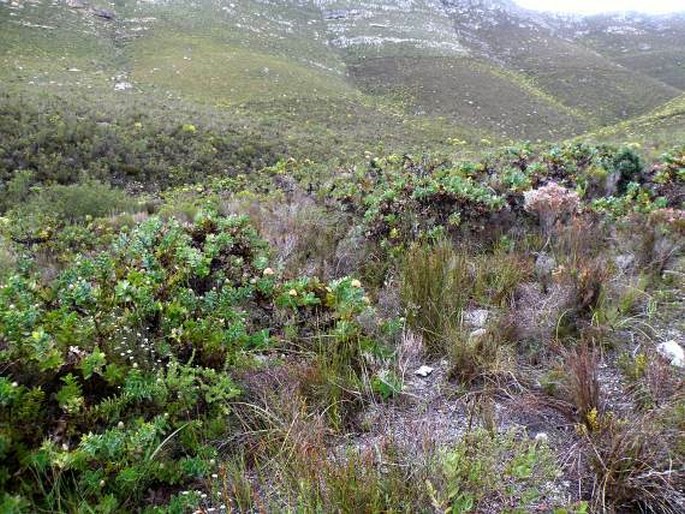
pixel 480 468
pixel 628 165
pixel 117 373
pixel 73 203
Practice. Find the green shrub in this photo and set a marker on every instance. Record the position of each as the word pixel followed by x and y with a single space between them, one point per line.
pixel 481 468
pixel 17 189
pixel 75 203
pixel 627 163
pixel 118 372
pixel 59 140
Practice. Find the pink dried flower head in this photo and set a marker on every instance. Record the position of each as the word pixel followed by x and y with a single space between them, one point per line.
pixel 551 203
pixel 551 197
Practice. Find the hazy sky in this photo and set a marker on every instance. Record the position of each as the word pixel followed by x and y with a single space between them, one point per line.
pixel 595 6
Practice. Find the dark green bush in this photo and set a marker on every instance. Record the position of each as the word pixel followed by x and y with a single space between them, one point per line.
pixel 117 374
pixel 627 163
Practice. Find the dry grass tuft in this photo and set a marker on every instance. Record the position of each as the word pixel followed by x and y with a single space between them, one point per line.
pixel 582 382
pixel 637 467
pixel 435 286
pixel 536 314
pixel 304 234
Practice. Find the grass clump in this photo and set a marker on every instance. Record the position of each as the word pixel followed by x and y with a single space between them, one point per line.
pixel 637 464
pixel 435 288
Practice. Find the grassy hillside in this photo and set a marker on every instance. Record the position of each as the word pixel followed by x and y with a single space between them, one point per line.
pixel 657 130
pixel 471 93
pixel 342 75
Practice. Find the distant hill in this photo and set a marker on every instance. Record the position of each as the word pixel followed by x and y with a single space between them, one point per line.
pixel 338 73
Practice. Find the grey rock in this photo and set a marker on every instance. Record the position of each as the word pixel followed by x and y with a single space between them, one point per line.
pixel 105 14
pixel 625 262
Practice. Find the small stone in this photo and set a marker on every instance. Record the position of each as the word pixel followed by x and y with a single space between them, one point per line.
pixel 672 352
pixel 477 318
pixel 123 86
pixel 424 371
pixel 625 262
pixel 477 334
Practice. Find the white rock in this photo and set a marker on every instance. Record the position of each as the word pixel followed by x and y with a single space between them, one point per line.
pixel 477 318
pixel 424 371
pixel 122 86
pixel 625 262
pixel 672 352
pixel 477 334
pixel 541 436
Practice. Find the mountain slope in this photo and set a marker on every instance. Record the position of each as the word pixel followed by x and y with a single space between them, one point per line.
pixel 343 73
pixel 577 76
pixel 651 45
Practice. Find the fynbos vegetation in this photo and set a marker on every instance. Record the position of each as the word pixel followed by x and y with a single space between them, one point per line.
pixel 264 270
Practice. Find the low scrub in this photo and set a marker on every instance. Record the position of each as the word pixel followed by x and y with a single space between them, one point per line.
pixel 118 372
